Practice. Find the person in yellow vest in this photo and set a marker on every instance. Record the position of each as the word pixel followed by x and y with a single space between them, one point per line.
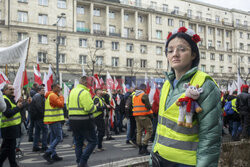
pixel 2 103
pixel 176 145
pixel 10 125
pixel 99 118
pixel 143 114
pixel 53 115
pixel 81 108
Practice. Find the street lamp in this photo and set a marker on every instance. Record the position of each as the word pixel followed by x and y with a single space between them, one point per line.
pixel 57 46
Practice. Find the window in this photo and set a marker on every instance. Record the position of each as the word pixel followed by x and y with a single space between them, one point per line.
pixel 170 22
pixel 143 63
pixel 158 20
pixel 210 42
pixel 203 68
pixel 200 29
pixel 143 49
pixel 227 45
pixel 43 19
pixel 99 44
pixel 99 60
pixel 221 69
pixel 82 42
pixel 138 3
pixel 229 69
pixel 199 15
pixel 153 5
pixel 245 23
pixel 130 62
pixel 129 47
pixel 43 2
pixel 229 58
pixel 80 10
pixel 23 1
pixel 203 55
pixel 158 64
pixel 227 34
pixel 248 59
pixel 212 68
pixel 115 45
pixel 241 59
pixel 62 41
pixel 140 33
pixel 248 70
pixel 42 39
pixel 219 44
pixel 82 59
pixel 22 16
pixel 140 19
pixel 248 46
pixel 97 12
pixel 219 32
pixel 181 23
pixel 158 34
pixel 221 57
pixel 126 32
pixel 208 18
pixel 61 3
pixel 62 58
pixel 165 8
pixel 212 56
pixel 111 14
pixel 111 29
pixel 201 42
pixel 241 46
pixel 176 10
pixel 248 36
pixel 237 22
pixel 158 50
pixel 115 61
pixel 189 13
pixel 21 36
pixel 241 34
pixel 0 36
pixel 210 31
pixel 217 19
pixel 62 21
pixel 80 25
pixel 42 57
pixel 126 16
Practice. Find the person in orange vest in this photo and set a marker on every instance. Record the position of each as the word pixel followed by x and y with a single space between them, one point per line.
pixel 143 114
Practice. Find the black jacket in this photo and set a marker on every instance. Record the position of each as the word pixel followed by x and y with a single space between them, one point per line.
pixel 243 103
pixel 37 107
pixel 11 132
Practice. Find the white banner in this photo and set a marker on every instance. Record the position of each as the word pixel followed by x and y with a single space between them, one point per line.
pixel 15 53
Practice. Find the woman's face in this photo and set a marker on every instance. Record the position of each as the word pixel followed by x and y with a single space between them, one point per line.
pixel 179 54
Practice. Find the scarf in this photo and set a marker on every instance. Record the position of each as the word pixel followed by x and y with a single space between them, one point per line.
pixel 189 101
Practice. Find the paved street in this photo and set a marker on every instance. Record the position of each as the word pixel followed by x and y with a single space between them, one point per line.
pixel 117 152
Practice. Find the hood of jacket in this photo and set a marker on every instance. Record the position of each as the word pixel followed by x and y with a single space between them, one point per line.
pixel 138 92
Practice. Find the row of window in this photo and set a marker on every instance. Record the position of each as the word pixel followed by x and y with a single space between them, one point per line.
pixel 221 69
pixel 60 3
pixel 221 57
pixel 42 58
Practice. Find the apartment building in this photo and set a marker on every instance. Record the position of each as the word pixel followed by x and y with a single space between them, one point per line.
pixel 125 37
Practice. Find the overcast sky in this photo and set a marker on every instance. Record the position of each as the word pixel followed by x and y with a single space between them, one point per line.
pixel 237 4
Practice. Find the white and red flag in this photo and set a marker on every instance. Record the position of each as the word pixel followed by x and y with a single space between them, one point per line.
pixel 37 75
pixel 45 81
pixel 115 85
pixel 124 88
pixel 3 80
pixel 109 82
pixel 49 78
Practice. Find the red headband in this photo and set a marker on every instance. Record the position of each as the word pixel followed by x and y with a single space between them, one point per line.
pixel 195 37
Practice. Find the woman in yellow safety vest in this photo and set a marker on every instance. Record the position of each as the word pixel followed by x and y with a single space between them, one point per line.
pixel 182 146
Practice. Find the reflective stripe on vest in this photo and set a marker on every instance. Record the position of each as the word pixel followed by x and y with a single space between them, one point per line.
pixel 173 142
pixel 139 108
pixel 52 114
pixel 233 102
pixel 75 111
pixel 97 113
pixel 12 121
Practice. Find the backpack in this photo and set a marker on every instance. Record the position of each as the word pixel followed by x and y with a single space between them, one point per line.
pixel 228 108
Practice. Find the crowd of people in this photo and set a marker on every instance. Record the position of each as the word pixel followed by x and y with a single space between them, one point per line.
pixel 188 143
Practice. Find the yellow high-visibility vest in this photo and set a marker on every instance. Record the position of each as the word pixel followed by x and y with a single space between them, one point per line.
pixel 173 142
pixel 52 114
pixel 97 113
pixel 233 102
pixel 12 121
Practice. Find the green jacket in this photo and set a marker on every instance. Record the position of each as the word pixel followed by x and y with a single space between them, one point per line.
pixel 210 121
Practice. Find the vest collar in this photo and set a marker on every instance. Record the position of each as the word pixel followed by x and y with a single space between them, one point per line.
pixel 82 87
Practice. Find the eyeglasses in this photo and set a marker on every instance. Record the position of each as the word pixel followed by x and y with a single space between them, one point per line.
pixel 179 49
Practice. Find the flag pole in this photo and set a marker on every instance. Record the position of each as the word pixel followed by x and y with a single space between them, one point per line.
pixel 25 68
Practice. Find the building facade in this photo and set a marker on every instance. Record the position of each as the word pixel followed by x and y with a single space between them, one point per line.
pixel 125 37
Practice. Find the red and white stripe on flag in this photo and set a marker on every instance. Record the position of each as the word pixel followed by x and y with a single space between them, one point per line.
pixel 37 75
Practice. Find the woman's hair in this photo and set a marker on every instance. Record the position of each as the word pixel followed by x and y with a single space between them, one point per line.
pixel 193 45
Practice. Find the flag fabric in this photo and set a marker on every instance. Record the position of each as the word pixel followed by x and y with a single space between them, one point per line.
pixel 25 79
pixel 66 91
pixel 76 83
pixel 49 78
pixel 3 80
pixel 109 81
pixel 37 75
pixel 97 81
pixel 118 99
pixel 115 85
pixel 124 88
pixel 154 97
pixel 133 85
pixel 101 81
pixel 111 114
pixel 240 82
pixel 21 51
pixel 45 81
pixel 233 87
pixel 16 53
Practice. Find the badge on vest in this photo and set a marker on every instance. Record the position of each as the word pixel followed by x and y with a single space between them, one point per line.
pixel 188 105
